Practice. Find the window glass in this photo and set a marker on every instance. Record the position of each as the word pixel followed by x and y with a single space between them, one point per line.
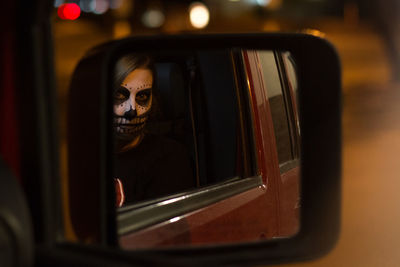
pixel 278 107
pixel 290 69
pixel 176 123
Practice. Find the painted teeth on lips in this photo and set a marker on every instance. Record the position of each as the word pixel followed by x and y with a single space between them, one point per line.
pixel 125 121
pixel 137 120
pixel 130 129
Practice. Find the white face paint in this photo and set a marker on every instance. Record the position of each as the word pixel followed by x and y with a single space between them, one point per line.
pixel 132 103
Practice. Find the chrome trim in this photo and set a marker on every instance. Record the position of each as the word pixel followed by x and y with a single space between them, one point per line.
pixel 129 220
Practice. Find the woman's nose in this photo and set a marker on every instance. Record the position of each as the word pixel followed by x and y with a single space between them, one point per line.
pixel 130 114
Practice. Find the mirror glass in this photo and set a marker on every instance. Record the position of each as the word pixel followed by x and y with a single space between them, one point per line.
pixel 207 147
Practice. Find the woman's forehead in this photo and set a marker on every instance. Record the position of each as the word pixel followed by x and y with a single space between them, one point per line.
pixel 138 79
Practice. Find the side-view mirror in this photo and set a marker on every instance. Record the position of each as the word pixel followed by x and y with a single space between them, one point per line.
pixel 220 149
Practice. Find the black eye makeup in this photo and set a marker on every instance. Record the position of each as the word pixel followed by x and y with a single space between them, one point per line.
pixel 121 95
pixel 143 97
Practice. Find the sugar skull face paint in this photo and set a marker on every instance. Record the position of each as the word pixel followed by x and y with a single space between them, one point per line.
pixel 132 104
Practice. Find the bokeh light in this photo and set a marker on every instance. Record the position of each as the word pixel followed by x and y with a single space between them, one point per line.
pixel 58 3
pixel 121 29
pixel 263 3
pixel 153 18
pixel 199 15
pixel 87 5
pixel 101 7
pixel 69 11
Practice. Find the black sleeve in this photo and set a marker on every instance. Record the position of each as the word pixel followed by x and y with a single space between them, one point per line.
pixel 171 173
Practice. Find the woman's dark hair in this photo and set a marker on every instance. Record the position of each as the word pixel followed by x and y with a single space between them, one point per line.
pixel 128 63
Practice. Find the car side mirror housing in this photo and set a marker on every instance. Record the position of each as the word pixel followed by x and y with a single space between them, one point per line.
pixel 91 145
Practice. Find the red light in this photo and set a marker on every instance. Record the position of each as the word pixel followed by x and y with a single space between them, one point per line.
pixel 69 11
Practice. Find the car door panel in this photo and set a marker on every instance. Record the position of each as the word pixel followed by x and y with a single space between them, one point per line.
pixel 286 185
pixel 290 202
pixel 231 220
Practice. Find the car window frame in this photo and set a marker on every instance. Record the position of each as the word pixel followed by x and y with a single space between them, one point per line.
pixel 291 112
pixel 291 103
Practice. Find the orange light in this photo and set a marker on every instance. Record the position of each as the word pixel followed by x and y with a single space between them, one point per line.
pixel 314 32
pixel 69 11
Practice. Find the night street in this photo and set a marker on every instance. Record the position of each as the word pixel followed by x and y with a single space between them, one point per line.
pixel 371 144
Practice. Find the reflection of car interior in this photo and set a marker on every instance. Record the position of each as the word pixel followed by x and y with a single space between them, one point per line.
pixel 197 107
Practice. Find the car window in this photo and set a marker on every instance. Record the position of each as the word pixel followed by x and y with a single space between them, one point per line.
pixel 176 124
pixel 278 105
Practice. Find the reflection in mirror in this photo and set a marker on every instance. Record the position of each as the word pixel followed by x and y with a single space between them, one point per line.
pixel 206 147
pixel 148 165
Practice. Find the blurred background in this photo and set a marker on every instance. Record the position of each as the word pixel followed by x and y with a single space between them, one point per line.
pixel 366 34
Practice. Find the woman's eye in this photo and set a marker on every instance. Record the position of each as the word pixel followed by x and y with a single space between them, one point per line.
pixel 143 97
pixel 121 95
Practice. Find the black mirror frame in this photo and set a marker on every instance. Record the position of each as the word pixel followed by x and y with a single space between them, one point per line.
pixel 320 120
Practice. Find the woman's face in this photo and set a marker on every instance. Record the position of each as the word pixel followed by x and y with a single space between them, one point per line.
pixel 132 103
